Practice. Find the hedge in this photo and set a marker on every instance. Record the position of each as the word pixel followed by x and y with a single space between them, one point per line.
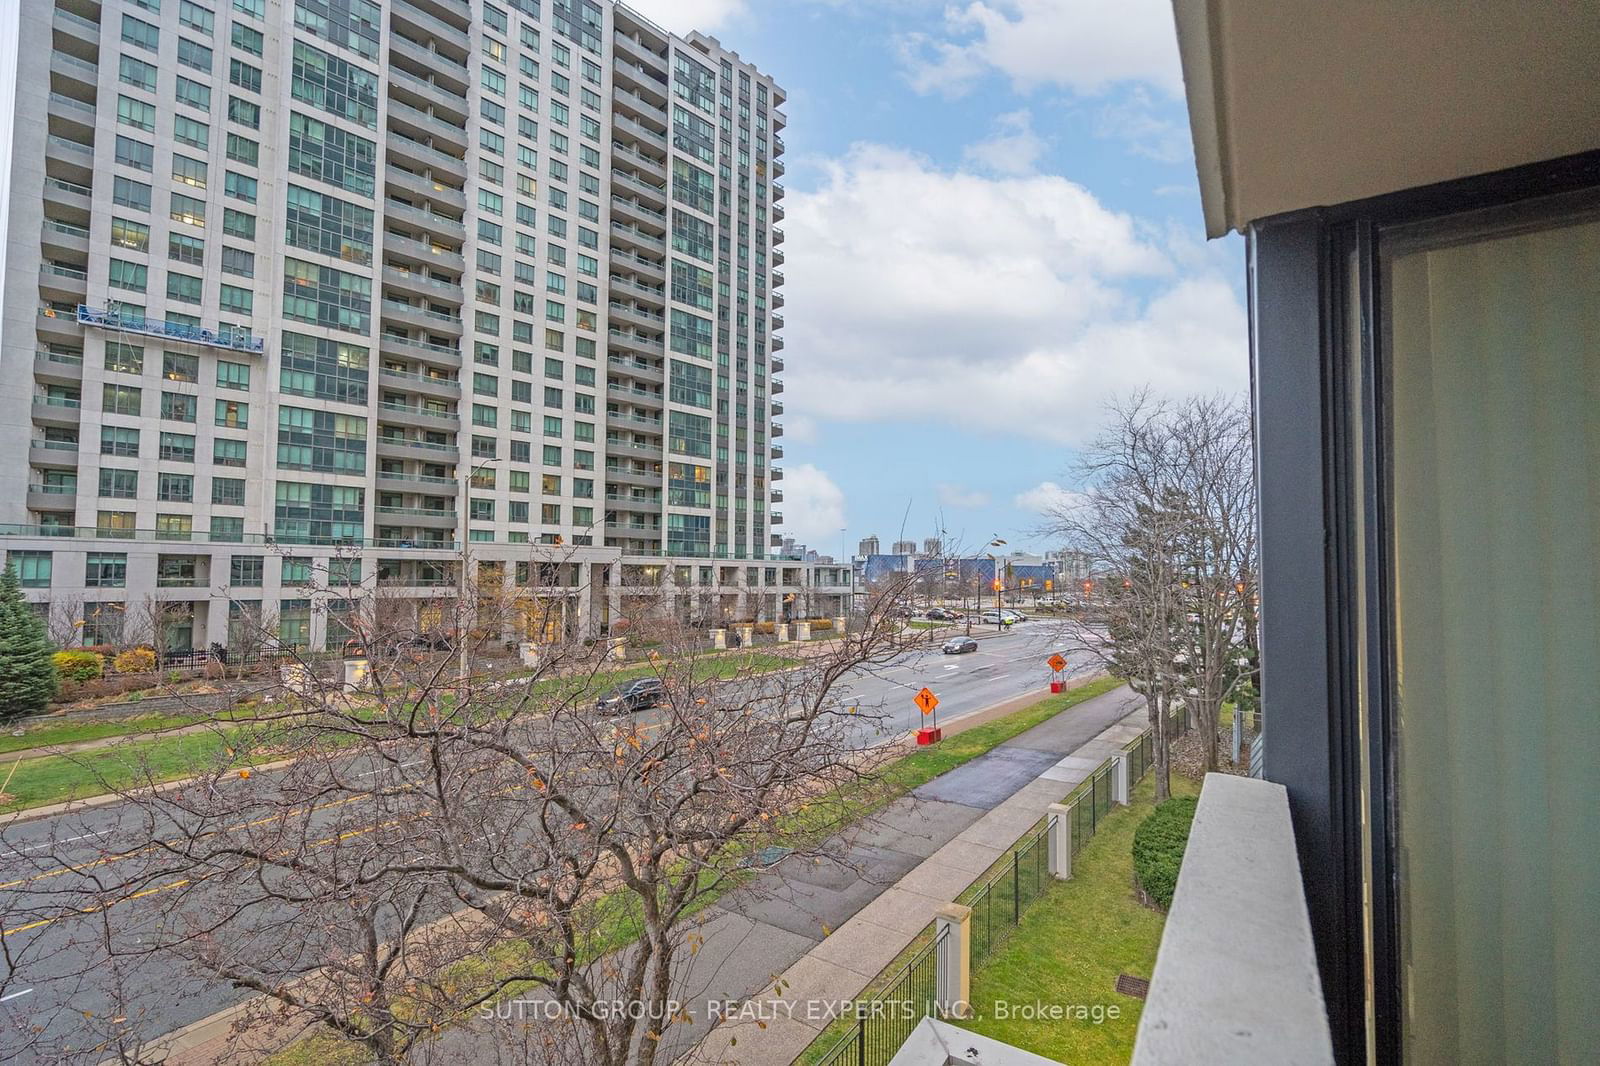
pixel 1158 846
pixel 135 661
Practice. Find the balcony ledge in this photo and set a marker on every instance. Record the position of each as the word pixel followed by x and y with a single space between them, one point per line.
pixel 1218 998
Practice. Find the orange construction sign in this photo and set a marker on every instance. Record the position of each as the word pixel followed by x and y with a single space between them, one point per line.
pixel 926 700
pixel 1057 663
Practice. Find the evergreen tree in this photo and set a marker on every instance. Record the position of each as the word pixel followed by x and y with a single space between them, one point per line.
pixel 27 674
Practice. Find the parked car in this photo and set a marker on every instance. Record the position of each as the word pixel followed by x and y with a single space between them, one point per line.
pixel 1014 614
pixel 940 614
pixel 632 696
pixel 993 618
pixel 960 646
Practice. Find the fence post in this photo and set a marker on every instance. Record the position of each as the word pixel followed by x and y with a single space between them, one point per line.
pixel 1058 836
pixel 952 935
pixel 1119 778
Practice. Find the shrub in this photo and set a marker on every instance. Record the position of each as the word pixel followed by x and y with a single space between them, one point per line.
pixel 135 661
pixel 765 628
pixel 1158 846
pixel 79 665
pixel 820 625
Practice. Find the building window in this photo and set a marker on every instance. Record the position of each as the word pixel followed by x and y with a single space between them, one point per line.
pixel 233 375
pixel 175 488
pixel 119 441
pixel 227 491
pixel 136 113
pixel 177 447
pixel 236 299
pixel 327 297
pixel 125 275
pixel 183 288
pixel 194 94
pixel 180 366
pixel 233 414
pixel 121 400
pixel 33 568
pixel 119 484
pixel 190 131
pixel 334 85
pixel 186 249
pixel 225 452
pixel 245 571
pixel 176 407
pixel 106 570
pixel 140 34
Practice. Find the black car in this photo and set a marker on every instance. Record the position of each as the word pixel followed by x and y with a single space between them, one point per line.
pixel 632 696
pixel 940 614
pixel 960 646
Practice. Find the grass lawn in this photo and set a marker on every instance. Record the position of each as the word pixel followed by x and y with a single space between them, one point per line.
pixel 1071 946
pixel 46 779
pixel 893 780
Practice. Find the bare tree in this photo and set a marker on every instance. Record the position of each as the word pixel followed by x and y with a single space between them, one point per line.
pixel 1167 522
pixel 434 844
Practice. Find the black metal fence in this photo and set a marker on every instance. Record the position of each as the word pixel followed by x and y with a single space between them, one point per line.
pixel 884 1023
pixel 998 900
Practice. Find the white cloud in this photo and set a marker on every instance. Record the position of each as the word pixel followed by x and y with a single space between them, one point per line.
pixel 813 506
pixel 965 499
pixel 1083 45
pixel 1013 304
pixel 1013 148
pixel 682 16
pixel 1048 498
pixel 1135 121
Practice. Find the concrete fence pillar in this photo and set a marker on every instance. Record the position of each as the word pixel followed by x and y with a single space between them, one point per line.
pixel 782 632
pixel 719 639
pixel 1120 769
pixel 619 648
pixel 747 635
pixel 839 626
pixel 952 936
pixel 802 631
pixel 1058 838
pixel 528 652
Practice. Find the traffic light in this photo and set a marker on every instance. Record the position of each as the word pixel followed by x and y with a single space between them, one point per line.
pixel 997 585
pixel 1049 584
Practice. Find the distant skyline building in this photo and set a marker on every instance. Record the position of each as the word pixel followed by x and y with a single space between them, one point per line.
pixel 302 294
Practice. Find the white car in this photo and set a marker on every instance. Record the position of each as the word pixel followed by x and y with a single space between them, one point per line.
pixel 994 618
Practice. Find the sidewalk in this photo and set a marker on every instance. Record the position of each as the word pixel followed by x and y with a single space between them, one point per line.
pixel 1007 792
pixel 828 927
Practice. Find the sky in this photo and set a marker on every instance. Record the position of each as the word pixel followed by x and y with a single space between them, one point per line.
pixel 993 228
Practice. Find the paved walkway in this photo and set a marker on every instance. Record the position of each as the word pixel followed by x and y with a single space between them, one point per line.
pixel 990 803
pixel 829 926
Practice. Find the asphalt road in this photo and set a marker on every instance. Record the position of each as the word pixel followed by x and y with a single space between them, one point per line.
pixel 39 859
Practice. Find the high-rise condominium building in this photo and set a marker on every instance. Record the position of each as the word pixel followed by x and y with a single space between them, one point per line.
pixel 301 293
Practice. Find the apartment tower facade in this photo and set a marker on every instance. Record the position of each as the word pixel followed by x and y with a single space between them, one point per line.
pixel 302 295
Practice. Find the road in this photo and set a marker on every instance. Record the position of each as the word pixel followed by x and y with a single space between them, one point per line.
pixel 40 859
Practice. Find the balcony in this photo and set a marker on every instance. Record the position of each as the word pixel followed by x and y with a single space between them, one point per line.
pixel 64 238
pixel 415 154
pixel 776 474
pixel 56 410
pixel 421 484
pixel 778 168
pixel 777 496
pixel 778 213
pixel 428 96
pixel 426 188
pixel 777 428
pixel 645 217
pixel 624 124
pixel 69 115
pixel 777 343
pixel 638 342
pixel 403 279
pixel 417 316
pixel 57 366
pixel 777 236
pixel 424 252
pixel 777 299
pixel 417 348
pixel 451 229
pixel 631 103
pixel 69 198
pixel 777 321
pixel 421 126
pixel 624 260
pixel 651 399
pixel 427 384
pixel 426 25
pixel 632 313
pixel 410 448
pixel 777 451
pixel 657 294
pixel 624 476
pixel 72 155
pixel 77 31
pixel 623 448
pixel 52 497
pixel 649 192
pixel 53 454
pixel 419 516
pixel 427 58
pixel 63 281
pixel 419 414
pixel 643 53
pixel 638 369
pixel 777 257
pixel 1214 1000
pixel 777 368
pixel 636 422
